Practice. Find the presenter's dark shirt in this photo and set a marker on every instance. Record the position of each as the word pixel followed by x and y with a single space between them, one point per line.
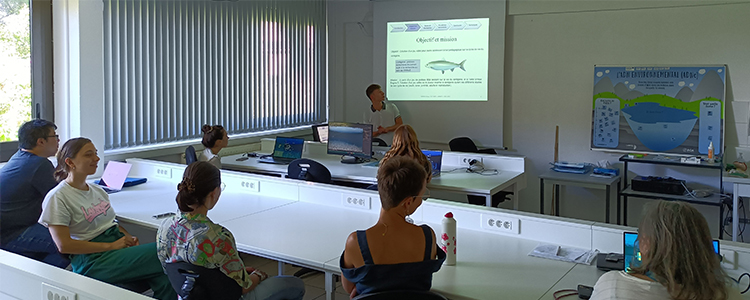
pixel 24 181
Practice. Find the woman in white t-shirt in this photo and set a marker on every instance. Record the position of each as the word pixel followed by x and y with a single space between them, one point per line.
pixel 82 223
pixel 215 138
pixel 677 260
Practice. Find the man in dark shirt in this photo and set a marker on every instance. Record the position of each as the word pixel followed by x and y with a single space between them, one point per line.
pixel 24 182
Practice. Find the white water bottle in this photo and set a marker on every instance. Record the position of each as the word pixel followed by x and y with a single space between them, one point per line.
pixel 448 239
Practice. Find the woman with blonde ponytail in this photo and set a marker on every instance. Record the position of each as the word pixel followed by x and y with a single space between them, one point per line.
pixel 677 260
pixel 82 223
pixel 405 143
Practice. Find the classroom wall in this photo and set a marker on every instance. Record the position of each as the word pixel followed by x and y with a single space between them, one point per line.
pixel 550 50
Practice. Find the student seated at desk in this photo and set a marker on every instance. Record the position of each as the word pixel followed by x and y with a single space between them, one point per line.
pixel 393 254
pixel 82 222
pixel 405 143
pixel 678 260
pixel 198 193
pixel 215 138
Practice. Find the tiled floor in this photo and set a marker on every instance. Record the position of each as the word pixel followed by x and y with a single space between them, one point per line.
pixel 314 283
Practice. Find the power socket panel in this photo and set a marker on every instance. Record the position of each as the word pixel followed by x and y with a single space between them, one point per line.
pixel 500 224
pixel 728 259
pixel 466 160
pixel 250 186
pixel 357 201
pixel 51 292
pixel 163 172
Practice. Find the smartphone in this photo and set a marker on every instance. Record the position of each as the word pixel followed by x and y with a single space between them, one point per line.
pixel 584 291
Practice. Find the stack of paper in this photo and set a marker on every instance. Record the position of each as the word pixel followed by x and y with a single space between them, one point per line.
pixel 568 254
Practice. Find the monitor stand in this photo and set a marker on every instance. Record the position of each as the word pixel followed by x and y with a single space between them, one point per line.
pixel 352 160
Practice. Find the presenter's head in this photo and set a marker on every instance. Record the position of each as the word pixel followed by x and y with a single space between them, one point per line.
pixel 200 187
pixel 677 249
pixel 375 93
pixel 402 182
pixel 214 136
pixel 77 157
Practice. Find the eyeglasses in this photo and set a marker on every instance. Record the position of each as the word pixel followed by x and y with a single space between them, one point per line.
pixel 57 136
pixel 223 185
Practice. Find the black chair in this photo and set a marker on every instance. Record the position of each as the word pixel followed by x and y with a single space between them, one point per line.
pixel 465 144
pixel 308 170
pixel 193 282
pixel 379 142
pixel 190 156
pixel 401 295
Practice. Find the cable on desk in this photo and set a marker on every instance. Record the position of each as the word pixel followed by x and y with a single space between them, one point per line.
pixel 562 293
pixel 740 279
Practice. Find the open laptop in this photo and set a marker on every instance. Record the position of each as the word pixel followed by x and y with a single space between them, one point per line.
pixel 632 253
pixel 285 150
pixel 114 176
pixel 436 158
pixel 320 133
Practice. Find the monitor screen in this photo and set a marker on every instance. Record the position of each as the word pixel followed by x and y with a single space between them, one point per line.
pixel 288 147
pixel 350 139
pixel 632 252
pixel 320 133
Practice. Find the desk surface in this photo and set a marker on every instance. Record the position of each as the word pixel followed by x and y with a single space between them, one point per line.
pixel 581 178
pixel 457 181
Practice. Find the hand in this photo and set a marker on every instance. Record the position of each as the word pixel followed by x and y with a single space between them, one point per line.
pixel 262 275
pixel 249 269
pixel 353 293
pixel 135 241
pixel 123 242
pixel 382 130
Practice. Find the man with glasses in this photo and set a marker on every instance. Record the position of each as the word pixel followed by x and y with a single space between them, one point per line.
pixel 24 181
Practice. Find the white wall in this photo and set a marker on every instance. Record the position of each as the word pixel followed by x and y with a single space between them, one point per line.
pixel 550 50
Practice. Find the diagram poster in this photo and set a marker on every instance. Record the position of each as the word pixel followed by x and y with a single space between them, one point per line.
pixel 677 110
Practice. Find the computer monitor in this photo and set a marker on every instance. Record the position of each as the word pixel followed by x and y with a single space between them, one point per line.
pixel 320 133
pixel 632 251
pixel 352 140
pixel 436 159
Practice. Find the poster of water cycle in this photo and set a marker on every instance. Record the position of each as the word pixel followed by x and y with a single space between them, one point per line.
pixel 658 109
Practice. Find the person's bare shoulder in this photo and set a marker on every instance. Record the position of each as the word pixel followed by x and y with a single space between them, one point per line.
pixel 352 253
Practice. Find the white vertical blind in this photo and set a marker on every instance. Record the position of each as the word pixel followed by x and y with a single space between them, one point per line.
pixel 172 66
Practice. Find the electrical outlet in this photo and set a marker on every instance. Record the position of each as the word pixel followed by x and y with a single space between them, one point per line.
pixel 250 185
pixel 466 160
pixel 165 173
pixel 729 259
pixel 499 223
pixel 356 201
pixel 51 292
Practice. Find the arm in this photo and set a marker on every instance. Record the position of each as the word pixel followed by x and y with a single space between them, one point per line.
pixel 227 256
pixel 65 244
pixel 433 253
pixel 351 256
pixel 44 179
pixel 398 121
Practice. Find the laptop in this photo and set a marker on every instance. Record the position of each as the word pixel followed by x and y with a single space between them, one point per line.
pixel 285 150
pixel 320 133
pixel 632 254
pixel 114 176
pixel 436 158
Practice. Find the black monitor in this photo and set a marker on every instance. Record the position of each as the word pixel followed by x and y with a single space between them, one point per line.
pixel 320 133
pixel 352 140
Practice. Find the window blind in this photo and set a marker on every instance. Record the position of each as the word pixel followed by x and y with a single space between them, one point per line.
pixel 172 66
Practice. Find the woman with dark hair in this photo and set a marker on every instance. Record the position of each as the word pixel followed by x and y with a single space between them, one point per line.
pixel 677 260
pixel 82 223
pixel 215 138
pixel 198 193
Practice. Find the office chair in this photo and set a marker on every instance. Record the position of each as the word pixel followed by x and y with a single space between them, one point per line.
pixel 401 295
pixel 193 282
pixel 379 142
pixel 308 170
pixel 465 144
pixel 190 156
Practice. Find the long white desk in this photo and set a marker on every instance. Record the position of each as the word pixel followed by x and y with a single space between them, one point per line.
pixel 307 224
pixel 510 175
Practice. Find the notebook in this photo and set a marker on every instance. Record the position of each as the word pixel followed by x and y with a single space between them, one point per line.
pixel 285 150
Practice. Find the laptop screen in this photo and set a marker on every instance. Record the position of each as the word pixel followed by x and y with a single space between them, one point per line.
pixel 288 147
pixel 436 158
pixel 320 133
pixel 632 252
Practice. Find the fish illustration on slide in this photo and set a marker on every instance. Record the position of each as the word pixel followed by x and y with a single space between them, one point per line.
pixel 442 65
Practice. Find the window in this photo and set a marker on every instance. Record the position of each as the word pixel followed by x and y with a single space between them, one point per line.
pixel 15 61
pixel 172 66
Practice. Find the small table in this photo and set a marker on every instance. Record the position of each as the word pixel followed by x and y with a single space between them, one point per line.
pixel 584 180
pixel 741 188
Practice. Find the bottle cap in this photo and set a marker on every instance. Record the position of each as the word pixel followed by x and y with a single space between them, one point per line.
pixel 449 215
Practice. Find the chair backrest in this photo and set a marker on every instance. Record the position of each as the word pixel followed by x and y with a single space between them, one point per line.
pixel 190 156
pixel 308 170
pixel 193 282
pixel 463 144
pixel 379 142
pixel 401 295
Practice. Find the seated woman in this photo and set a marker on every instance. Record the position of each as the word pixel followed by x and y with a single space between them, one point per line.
pixel 198 193
pixel 393 254
pixel 677 260
pixel 215 138
pixel 82 223
pixel 405 143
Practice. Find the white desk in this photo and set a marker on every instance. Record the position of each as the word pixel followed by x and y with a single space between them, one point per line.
pixel 741 188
